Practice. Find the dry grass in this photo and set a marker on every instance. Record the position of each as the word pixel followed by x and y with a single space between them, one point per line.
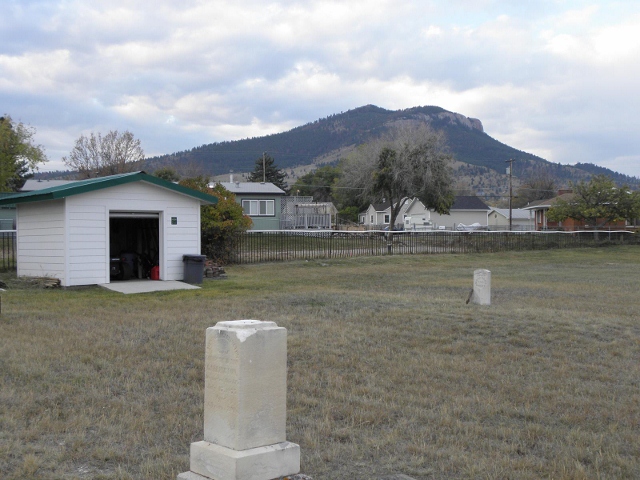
pixel 389 370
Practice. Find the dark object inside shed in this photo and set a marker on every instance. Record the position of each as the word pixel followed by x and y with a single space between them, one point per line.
pixel 134 246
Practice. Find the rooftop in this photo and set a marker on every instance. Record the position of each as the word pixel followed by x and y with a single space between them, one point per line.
pixel 92 184
pixel 252 187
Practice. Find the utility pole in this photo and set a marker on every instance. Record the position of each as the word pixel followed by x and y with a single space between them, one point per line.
pixel 264 168
pixel 510 168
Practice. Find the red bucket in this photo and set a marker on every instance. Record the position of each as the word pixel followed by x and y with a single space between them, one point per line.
pixel 155 273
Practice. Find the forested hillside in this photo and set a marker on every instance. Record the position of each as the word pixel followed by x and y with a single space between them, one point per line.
pixel 328 139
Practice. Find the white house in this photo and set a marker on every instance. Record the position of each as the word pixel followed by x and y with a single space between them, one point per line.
pixel 466 210
pixel 417 217
pixel 378 216
pixel 521 219
pixel 72 231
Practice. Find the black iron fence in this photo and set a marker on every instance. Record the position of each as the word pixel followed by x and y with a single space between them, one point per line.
pixel 256 247
pixel 8 246
pixel 283 245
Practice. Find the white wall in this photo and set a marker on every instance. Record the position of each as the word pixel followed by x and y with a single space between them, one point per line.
pixel 41 239
pixel 87 243
pixel 180 239
pixel 456 217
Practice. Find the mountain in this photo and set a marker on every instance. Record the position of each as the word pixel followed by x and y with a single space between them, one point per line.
pixel 328 139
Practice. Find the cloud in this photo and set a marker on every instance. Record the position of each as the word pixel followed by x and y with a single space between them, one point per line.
pixel 559 82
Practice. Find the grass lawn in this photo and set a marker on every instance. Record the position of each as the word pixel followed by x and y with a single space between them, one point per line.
pixel 389 370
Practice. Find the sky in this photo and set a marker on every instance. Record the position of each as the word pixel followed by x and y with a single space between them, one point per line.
pixel 556 78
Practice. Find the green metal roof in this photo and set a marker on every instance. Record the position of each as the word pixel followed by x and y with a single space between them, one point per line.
pixel 93 184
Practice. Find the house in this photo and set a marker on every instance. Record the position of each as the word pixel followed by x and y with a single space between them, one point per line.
pixel 466 210
pixel 521 219
pixel 74 231
pixel 417 217
pixel 302 212
pixel 378 216
pixel 7 213
pixel 540 208
pixel 261 201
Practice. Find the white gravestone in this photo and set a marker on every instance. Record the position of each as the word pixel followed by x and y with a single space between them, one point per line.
pixel 481 287
pixel 244 405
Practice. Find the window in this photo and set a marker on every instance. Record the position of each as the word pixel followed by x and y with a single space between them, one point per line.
pixel 387 218
pixel 258 208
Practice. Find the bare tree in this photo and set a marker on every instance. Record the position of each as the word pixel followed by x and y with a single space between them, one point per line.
pixel 98 156
pixel 539 185
pixel 411 160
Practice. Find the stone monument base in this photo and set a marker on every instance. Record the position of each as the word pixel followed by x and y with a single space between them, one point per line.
pixel 211 461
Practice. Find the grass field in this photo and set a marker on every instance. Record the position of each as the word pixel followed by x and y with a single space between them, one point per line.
pixel 389 370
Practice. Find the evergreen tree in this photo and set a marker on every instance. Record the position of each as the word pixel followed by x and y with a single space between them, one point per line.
pixel 265 170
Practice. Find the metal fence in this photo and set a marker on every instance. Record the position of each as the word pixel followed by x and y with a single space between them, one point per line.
pixel 8 246
pixel 283 245
pixel 269 246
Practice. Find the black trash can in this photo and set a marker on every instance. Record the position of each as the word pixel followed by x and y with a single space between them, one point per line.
pixel 193 268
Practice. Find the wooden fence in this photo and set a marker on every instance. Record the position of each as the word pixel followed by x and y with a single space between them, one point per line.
pixel 269 246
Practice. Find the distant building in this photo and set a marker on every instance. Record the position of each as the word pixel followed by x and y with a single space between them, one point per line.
pixel 300 212
pixel 466 210
pixel 521 219
pixel 540 208
pixel 260 201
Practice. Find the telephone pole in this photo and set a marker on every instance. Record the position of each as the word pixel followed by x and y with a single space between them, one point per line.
pixel 510 169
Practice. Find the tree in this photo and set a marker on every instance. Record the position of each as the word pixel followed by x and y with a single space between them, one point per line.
pixel 317 184
pixel 167 173
pixel 19 155
pixel 539 185
pixel 597 202
pixel 219 223
pixel 98 156
pixel 265 170
pixel 409 161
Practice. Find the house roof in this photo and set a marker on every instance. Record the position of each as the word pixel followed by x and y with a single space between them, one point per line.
pixel 468 202
pixel 462 202
pixel 381 207
pixel 31 184
pixel 253 188
pixel 548 203
pixel 93 184
pixel 516 213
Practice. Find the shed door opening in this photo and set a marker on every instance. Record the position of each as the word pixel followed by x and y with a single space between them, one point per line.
pixel 134 244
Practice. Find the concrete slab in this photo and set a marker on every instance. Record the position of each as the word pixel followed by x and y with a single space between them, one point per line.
pixel 146 286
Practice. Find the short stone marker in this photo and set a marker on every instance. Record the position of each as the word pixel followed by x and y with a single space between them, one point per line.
pixel 244 405
pixel 481 294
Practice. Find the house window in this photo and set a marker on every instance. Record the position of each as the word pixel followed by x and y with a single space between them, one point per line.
pixel 371 220
pixel 259 208
pixel 387 218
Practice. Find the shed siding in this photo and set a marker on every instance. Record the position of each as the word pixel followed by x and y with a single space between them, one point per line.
pixel 41 240
pixel 88 243
pixel 181 239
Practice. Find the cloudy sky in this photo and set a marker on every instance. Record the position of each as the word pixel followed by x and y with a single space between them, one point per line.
pixel 557 78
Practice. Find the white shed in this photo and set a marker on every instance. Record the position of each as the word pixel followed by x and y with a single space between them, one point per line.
pixel 75 231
